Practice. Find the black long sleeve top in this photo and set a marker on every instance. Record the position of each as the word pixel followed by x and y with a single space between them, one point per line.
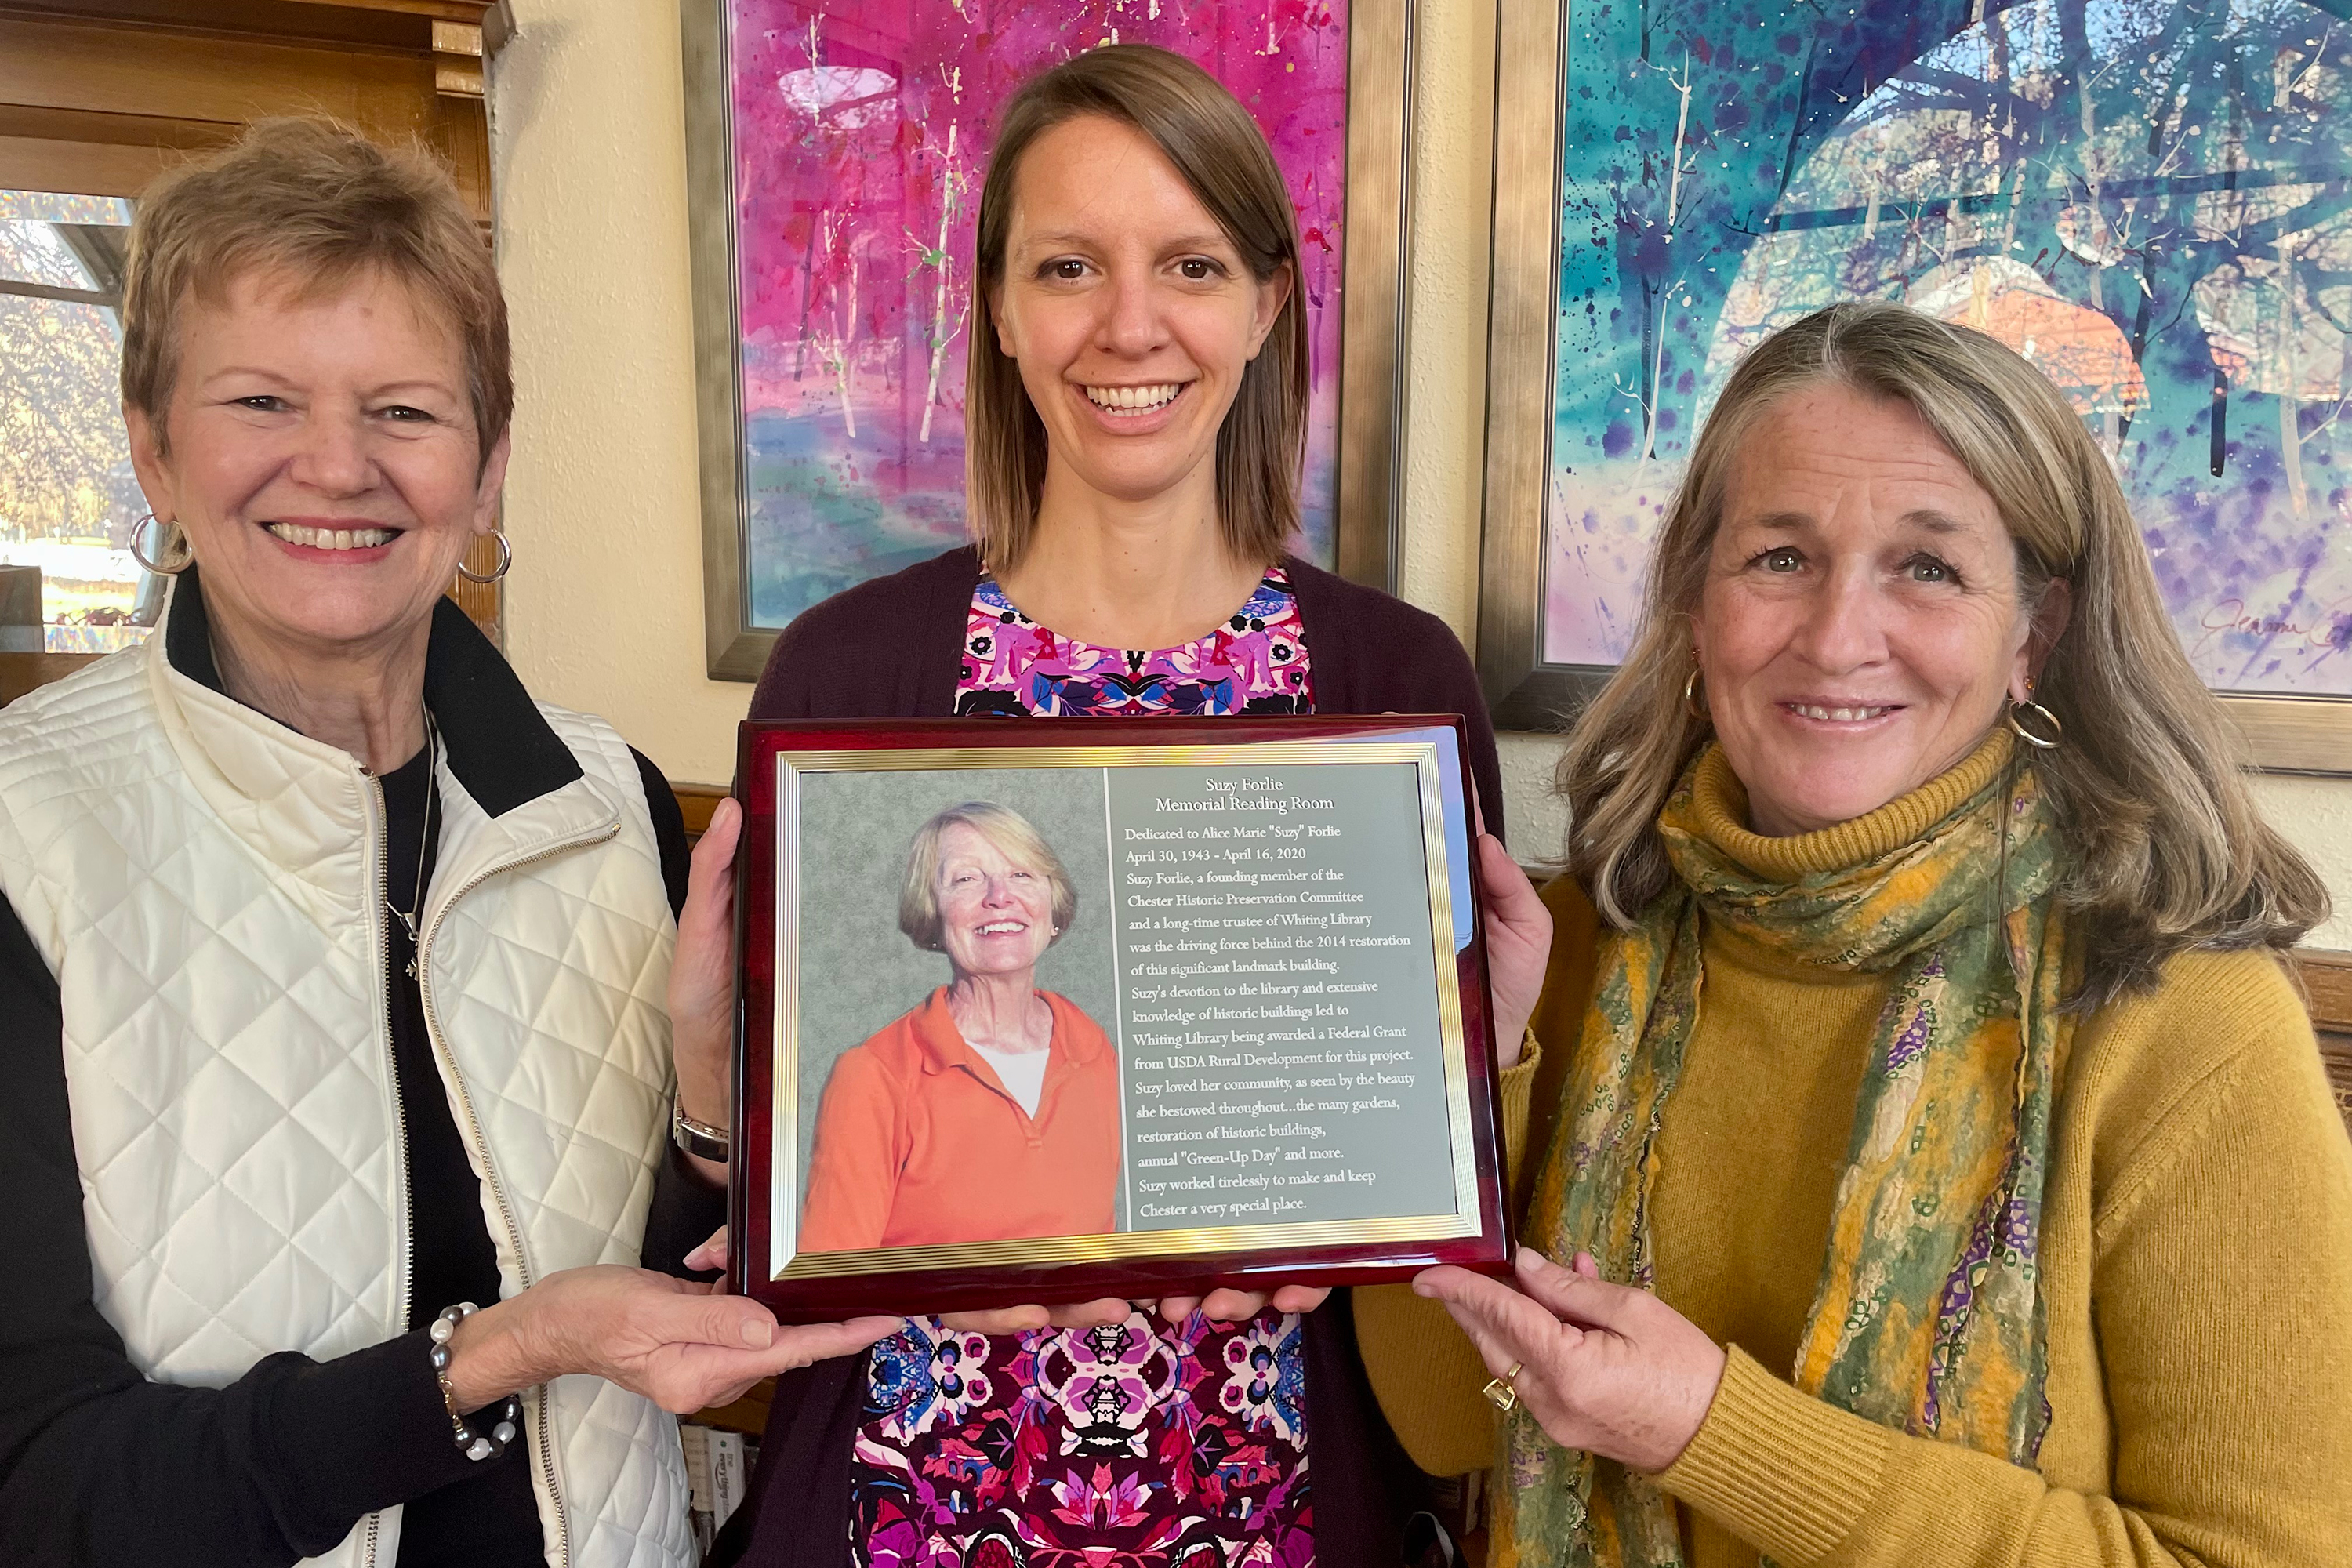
pixel 99 1465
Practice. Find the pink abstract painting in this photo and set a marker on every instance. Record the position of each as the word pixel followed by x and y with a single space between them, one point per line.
pixel 861 136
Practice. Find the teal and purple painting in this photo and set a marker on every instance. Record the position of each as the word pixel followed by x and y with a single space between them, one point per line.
pixel 2151 200
pixel 861 134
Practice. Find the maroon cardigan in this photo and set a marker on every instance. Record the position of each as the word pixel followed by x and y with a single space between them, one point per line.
pixel 893 648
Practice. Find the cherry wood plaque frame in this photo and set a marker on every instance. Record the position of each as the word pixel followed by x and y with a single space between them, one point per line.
pixel 1079 1267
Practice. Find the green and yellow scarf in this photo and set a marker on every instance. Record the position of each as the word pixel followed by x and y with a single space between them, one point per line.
pixel 1927 1317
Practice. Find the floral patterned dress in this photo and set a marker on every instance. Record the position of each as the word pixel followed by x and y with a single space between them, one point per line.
pixel 1140 1445
pixel 1254 663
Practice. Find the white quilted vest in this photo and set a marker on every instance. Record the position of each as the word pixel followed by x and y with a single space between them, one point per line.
pixel 204 884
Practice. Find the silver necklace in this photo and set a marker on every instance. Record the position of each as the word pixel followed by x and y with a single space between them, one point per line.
pixel 407 917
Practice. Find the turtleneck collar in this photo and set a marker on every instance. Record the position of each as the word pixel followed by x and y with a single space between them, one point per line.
pixel 1719 806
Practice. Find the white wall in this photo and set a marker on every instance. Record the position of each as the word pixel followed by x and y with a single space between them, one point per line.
pixel 604 607
pixel 604 603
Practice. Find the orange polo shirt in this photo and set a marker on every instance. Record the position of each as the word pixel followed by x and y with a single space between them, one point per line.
pixel 918 1143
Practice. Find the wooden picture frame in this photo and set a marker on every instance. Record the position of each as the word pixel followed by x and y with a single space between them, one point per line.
pixel 1525 689
pixel 1375 254
pixel 1199 1153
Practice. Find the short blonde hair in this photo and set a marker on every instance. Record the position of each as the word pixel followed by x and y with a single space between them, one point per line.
pixel 319 204
pixel 1203 131
pixel 2167 851
pixel 919 895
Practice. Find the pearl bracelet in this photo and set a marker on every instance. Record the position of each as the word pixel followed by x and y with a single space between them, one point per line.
pixel 473 1444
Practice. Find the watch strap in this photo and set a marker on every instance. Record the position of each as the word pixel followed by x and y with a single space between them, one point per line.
pixel 698 1139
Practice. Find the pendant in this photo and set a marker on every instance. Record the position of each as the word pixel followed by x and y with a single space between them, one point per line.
pixel 407 923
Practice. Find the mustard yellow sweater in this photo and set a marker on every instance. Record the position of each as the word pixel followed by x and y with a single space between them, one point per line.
pixel 2197 1247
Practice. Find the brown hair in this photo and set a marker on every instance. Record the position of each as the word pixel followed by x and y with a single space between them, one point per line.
pixel 2167 851
pixel 919 895
pixel 1218 149
pixel 318 204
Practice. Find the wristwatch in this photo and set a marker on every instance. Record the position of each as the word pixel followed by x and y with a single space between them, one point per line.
pixel 698 1139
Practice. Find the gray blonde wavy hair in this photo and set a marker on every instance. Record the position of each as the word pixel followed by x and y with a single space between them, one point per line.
pixel 2167 850
pixel 1012 834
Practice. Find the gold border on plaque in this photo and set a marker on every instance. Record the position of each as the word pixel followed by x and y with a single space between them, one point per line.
pixel 784 1177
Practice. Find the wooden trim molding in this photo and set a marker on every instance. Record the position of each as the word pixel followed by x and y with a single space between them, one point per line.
pixel 1522 273
pixel 21 672
pixel 2327 986
pixel 696 803
pixel 748 1415
pixel 458 58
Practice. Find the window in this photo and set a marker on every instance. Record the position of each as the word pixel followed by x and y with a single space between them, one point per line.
pixel 69 501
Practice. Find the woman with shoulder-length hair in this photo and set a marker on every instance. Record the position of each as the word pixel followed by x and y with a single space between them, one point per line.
pixel 333 968
pixel 1934 1151
pixel 990 1109
pixel 1136 401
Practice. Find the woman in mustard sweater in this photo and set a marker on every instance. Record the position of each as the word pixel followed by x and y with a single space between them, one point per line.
pixel 1939 1155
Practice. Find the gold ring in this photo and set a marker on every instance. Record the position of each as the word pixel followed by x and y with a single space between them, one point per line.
pixel 1503 1393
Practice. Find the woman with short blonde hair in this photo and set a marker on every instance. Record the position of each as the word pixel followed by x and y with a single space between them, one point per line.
pixel 1932 1146
pixel 335 1077
pixel 300 205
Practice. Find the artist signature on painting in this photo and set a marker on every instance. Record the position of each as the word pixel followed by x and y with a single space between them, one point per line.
pixel 2329 631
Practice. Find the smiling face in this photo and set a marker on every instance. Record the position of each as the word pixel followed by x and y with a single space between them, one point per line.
pixel 1131 313
pixel 1861 621
pixel 996 915
pixel 321 455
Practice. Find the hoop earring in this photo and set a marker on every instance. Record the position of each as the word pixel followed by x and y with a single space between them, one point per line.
pixel 2041 716
pixel 1691 704
pixel 506 560
pixel 175 547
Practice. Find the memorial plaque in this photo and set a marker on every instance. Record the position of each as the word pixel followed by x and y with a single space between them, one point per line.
pixel 1047 1011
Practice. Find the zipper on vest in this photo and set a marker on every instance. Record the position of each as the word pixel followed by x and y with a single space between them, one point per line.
pixel 545 1448
pixel 379 840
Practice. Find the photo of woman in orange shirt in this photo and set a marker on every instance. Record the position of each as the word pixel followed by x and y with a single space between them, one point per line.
pixel 991 1110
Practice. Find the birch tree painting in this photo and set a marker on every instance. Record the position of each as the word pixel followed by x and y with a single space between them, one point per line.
pixel 861 137
pixel 2151 200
